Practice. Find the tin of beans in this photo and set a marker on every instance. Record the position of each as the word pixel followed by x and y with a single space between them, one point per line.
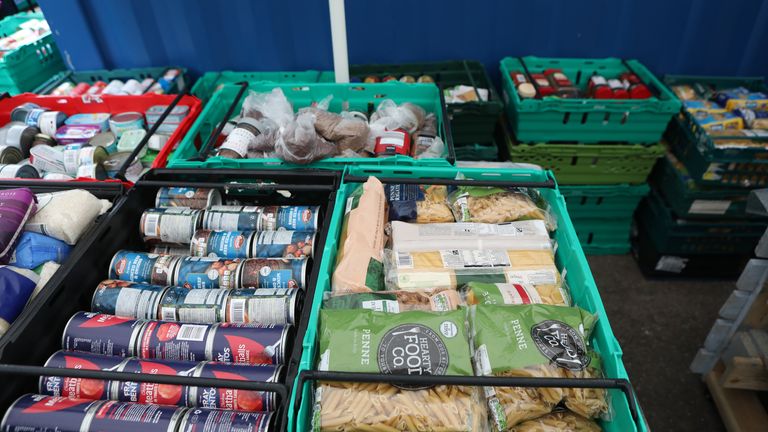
pixel 273 273
pixel 174 341
pixel 233 399
pixel 79 388
pixel 154 393
pixel 231 218
pixel 98 333
pixel 207 273
pixel 189 197
pixel 143 267
pixel 47 413
pixel 212 420
pixel 283 244
pixel 292 218
pixel 206 306
pixel 127 299
pixel 248 343
pixel 221 244
pixel 263 305
pixel 170 225
pixel 169 249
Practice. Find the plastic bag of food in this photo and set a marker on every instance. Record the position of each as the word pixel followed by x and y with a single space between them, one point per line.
pixel 299 143
pixel 514 293
pixel 359 265
pixel 395 301
pixel 533 341
pixel 389 116
pixel 35 249
pixel 450 269
pixel 66 215
pixel 560 421
pixel 273 105
pixel 347 133
pixel 45 272
pixel 418 203
pixel 16 287
pixel 522 235
pixel 497 205
pixel 426 141
pixel 18 205
pixel 378 342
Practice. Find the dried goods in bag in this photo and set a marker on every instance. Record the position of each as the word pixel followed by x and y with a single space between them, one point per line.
pixel 516 292
pixel 395 301
pixel 562 421
pixel 497 205
pixel 412 343
pixel 522 235
pixel 418 203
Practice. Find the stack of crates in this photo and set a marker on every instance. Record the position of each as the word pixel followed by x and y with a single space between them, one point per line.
pixel 601 150
pixel 31 63
pixel 694 223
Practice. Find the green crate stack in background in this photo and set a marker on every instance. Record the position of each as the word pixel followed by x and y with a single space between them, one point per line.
pixel 601 150
pixel 696 212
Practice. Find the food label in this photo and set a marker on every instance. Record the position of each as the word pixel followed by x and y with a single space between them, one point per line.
pixel 391 306
pixel 442 302
pixel 404 260
pixel 671 264
pixel 417 281
pixel 712 207
pixel 518 294
pixel 461 259
pixel 413 349
pixel 561 343
pixel 535 277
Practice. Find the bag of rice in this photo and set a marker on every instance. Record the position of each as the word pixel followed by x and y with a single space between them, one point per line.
pixel 66 215
pixel 16 207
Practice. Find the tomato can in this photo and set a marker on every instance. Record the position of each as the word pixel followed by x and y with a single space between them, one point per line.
pixel 174 341
pixel 283 244
pixel 79 388
pixel 263 305
pixel 42 413
pixel 221 244
pixel 154 393
pixel 205 306
pixel 127 416
pixel 127 299
pixel 273 273
pixel 213 420
pixel 170 225
pixel 99 333
pixel 189 197
pixel 207 273
pixel 143 267
pixel 234 399
pixel 248 343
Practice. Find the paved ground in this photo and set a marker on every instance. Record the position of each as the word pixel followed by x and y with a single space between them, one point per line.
pixel 660 325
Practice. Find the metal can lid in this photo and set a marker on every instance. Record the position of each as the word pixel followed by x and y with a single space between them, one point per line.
pixel 526 90
pixel 127 117
pixel 103 139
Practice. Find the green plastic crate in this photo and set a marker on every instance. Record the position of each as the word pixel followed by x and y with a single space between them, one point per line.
pixel 586 120
pixel 672 235
pixel 603 202
pixel 207 84
pixel 569 255
pixel 92 76
pixel 687 200
pixel 29 65
pixel 596 233
pixel 607 249
pixel 477 152
pixel 471 122
pixel 356 96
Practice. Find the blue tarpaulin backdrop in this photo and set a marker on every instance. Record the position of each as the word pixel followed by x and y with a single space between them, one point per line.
pixel 678 36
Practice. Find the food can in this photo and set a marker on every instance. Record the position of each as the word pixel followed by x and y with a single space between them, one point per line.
pixel 115 161
pixel 91 155
pixel 91 171
pixel 57 176
pixel 174 341
pixel 47 159
pixel 76 134
pixel 189 197
pixel 221 244
pixel 10 155
pixel 273 273
pixel 50 121
pixel 205 306
pixel 18 171
pixel 43 139
pixel 283 244
pixel 263 305
pixel 248 343
pixel 143 267
pixel 97 88
pixel 128 416
pixel 104 139
pixel 292 218
pixel 99 333
pixel 39 413
pixel 132 87
pixel 154 393
pixel 170 225
pixel 169 249
pixel 233 399
pixel 79 388
pixel 214 420
pixel 19 135
pixel 80 89
pixel 122 122
pixel 207 273
pixel 71 155
pixel 127 299
pixel 114 87
pixel 231 218
pixel 93 119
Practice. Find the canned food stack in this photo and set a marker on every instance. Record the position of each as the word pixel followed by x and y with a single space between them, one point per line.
pixel 597 124
pixel 695 221
pixel 119 82
pixel 449 248
pixel 43 143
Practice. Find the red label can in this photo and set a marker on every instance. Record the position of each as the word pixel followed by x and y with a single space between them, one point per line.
pixel 82 388
pixel 212 420
pixel 154 393
pixel 233 399
pixel 248 343
pixel 174 341
pixel 98 333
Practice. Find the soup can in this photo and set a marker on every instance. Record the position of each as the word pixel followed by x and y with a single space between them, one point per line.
pixel 212 420
pixel 292 218
pixel 91 171
pixel 33 412
pixel 221 244
pixel 174 341
pixel 154 393
pixel 143 267
pixel 170 225
pixel 205 306
pixel 248 343
pixel 128 416
pixel 231 218
pixel 10 155
pixel 283 244
pixel 263 305
pixel 273 273
pixel 207 273
pixel 189 197
pixel 18 171
pixel 127 299
pixel 99 333
pixel 115 161
pixel 126 121
pixel 234 399
pixel 79 388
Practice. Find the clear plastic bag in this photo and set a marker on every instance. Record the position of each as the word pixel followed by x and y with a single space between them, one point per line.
pixel 348 133
pixel 426 142
pixel 521 235
pixel 272 105
pixel 517 292
pixel 497 205
pixel 390 116
pixel 299 143
pixel 395 301
pixel 561 421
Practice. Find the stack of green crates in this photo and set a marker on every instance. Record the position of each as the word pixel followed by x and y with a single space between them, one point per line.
pixel 601 151
pixel 92 76
pixel 696 214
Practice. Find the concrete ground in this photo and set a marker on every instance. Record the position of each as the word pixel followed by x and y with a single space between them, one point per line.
pixel 660 325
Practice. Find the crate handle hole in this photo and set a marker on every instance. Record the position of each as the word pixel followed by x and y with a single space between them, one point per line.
pixel 590 237
pixel 578 77
pixel 583 200
pixel 566 117
pixel 599 201
pixel 624 118
pixel 584 118
pixel 606 118
pixel 574 160
pixel 594 162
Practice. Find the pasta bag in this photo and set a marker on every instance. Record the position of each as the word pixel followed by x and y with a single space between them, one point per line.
pixel 513 293
pixel 561 421
pixel 521 235
pixel 497 205
pixel 395 301
pixel 418 203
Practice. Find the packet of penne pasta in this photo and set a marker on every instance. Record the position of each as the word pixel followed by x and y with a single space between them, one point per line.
pixel 560 421
pixel 515 292
pixel 497 205
pixel 395 301
pixel 522 235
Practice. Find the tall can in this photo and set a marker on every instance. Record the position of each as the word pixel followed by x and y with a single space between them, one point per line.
pixel 234 399
pixel 169 249
pixel 205 306
pixel 99 333
pixel 212 420
pixel 154 393
pixel 283 244
pixel 174 341
pixel 207 273
pixel 273 273
pixel 248 343
pixel 231 218
pixel 170 225
pixel 292 218
pixel 221 244
pixel 263 305
pixel 79 388
pixel 189 197
pixel 143 267
pixel 127 299
pixel 42 413
pixel 128 416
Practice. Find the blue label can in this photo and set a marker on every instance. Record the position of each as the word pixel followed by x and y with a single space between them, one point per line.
pixel 231 218
pixel 273 273
pixel 283 244
pixel 213 420
pixel 206 306
pixel 98 333
pixel 79 388
pixel 221 244
pixel 127 416
pixel 233 399
pixel 143 267
pixel 174 341
pixel 154 393
pixel 189 197
pixel 292 218
pixel 207 273
pixel 41 413
pixel 248 343
pixel 263 305
pixel 127 299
